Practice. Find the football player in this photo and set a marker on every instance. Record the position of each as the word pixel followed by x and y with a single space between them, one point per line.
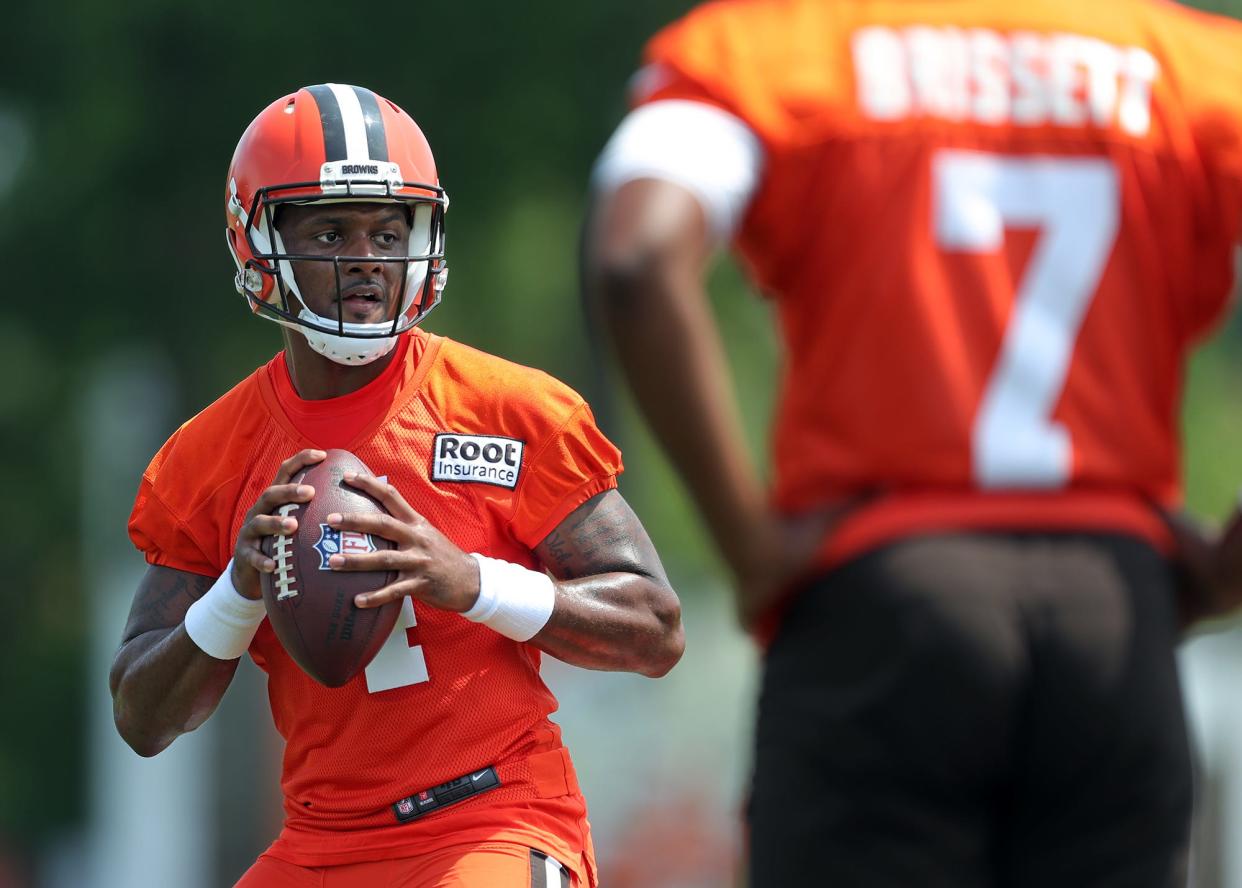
pixel 438 765
pixel 991 232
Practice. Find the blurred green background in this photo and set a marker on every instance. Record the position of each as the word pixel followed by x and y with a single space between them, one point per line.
pixel 117 122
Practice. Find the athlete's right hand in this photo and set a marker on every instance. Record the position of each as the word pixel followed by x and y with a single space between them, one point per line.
pixel 262 521
pixel 1209 567
pixel 779 550
pixel 779 553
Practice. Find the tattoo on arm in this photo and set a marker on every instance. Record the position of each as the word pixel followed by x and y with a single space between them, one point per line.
pixel 602 535
pixel 162 600
pixel 558 548
pixel 151 606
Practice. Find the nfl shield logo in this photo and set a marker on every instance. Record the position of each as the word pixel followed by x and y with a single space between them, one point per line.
pixel 405 806
pixel 345 542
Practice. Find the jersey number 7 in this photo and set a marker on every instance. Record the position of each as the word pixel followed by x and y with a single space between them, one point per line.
pixel 1075 203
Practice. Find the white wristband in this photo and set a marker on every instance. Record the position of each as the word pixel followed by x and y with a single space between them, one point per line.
pixel 224 621
pixel 513 600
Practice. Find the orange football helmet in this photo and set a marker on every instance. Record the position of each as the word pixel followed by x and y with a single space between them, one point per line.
pixel 326 143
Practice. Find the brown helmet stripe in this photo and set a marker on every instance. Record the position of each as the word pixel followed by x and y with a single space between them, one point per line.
pixel 333 124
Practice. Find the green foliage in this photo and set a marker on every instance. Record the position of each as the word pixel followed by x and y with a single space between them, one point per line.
pixel 1212 420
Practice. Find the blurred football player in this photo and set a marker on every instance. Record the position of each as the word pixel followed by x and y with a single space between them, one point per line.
pixel 990 232
pixel 438 765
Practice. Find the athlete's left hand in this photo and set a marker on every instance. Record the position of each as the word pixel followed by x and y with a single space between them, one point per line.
pixel 430 567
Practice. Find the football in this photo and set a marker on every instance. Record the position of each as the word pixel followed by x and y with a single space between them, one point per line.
pixel 310 606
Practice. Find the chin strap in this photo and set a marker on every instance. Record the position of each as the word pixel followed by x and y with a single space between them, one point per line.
pixel 348 350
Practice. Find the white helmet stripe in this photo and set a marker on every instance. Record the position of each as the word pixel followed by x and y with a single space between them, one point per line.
pixel 377 139
pixel 355 123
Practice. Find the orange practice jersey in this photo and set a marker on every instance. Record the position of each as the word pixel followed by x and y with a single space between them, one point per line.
pixel 495 456
pixel 992 230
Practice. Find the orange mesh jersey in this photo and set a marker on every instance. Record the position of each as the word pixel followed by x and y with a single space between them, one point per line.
pixel 445 697
pixel 991 230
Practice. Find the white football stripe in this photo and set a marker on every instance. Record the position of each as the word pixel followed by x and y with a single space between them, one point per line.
pixel 355 123
pixel 553 870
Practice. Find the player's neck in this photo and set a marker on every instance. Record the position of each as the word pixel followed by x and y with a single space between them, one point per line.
pixel 316 378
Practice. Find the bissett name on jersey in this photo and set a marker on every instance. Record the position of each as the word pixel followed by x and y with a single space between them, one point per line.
pixel 989 77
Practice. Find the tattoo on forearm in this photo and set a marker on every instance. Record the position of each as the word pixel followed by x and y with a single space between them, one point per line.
pixel 594 540
pixel 598 538
pixel 558 547
pixel 154 604
pixel 157 602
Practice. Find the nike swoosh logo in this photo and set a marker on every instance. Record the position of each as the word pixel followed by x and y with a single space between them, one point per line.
pixel 478 776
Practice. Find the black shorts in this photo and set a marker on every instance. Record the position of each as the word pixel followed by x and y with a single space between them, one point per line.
pixel 975 710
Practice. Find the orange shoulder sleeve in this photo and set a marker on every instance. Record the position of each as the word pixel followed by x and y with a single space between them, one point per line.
pixel 566 459
pixel 1207 55
pixel 156 527
pixel 686 60
pixel 188 497
pixel 1204 57
pixel 769 62
pixel 569 466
